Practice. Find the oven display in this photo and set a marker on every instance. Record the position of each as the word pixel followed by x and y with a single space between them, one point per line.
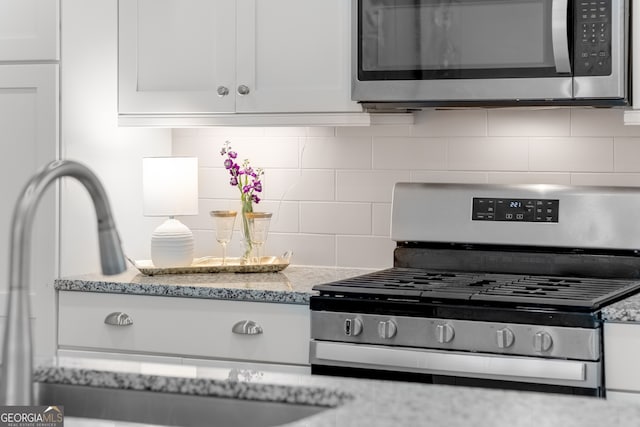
pixel 518 210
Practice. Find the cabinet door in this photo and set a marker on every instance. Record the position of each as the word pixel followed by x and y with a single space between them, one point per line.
pixel 29 30
pixel 175 54
pixel 29 140
pixel 294 56
pixel 621 355
pixel 185 327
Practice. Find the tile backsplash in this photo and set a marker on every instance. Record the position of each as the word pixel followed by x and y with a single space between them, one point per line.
pixel 330 188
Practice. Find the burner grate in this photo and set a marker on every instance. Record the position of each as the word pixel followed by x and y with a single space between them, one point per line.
pixel 430 286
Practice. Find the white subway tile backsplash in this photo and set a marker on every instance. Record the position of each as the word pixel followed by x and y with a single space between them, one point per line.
pixel 526 122
pixel 307 249
pixel 457 177
pixel 529 178
pixel 367 186
pixel 335 218
pixel 285 218
pixel 381 219
pixel 365 252
pixel 501 154
pixel 330 188
pixel 300 184
pixel 266 152
pixel 336 153
pixel 434 123
pixel 374 130
pixel 409 153
pixel 604 122
pixel 321 131
pixel 213 183
pixel 571 154
pixel 618 179
pixel 626 154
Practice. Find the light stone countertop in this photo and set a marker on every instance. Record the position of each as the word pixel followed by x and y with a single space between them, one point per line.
pixel 351 402
pixel 627 310
pixel 291 285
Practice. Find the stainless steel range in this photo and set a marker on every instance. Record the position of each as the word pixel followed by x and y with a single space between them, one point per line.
pixel 492 285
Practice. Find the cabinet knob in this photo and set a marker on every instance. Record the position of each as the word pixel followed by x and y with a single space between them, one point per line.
pixel 118 318
pixel 243 90
pixel 222 91
pixel 246 327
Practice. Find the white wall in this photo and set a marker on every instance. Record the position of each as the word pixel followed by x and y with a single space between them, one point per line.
pixel 89 133
pixel 330 188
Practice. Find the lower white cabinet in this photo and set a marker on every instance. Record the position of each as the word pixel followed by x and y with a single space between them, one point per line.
pixel 184 327
pixel 622 360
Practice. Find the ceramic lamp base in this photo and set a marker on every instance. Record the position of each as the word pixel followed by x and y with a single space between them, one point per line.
pixel 172 245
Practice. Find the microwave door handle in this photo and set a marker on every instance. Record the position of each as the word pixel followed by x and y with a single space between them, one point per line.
pixel 559 37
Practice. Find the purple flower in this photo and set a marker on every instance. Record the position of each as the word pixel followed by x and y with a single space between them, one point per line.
pixel 240 175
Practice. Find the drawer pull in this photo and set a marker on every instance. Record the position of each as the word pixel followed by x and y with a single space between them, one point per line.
pixel 118 318
pixel 246 327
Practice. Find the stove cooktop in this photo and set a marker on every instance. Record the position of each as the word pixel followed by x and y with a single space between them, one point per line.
pixel 431 286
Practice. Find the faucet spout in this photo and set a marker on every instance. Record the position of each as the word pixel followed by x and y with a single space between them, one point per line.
pixel 16 383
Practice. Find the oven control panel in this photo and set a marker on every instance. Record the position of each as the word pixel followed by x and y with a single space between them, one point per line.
pixel 517 210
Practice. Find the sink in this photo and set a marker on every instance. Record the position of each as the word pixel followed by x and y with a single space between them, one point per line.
pixel 169 409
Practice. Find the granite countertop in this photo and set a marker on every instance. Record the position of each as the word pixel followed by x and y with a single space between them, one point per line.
pixel 627 310
pixel 351 402
pixel 291 285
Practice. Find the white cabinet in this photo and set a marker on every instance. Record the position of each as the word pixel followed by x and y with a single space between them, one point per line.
pixel 29 30
pixel 185 327
pixel 29 51
pixel 621 356
pixel 29 140
pixel 182 58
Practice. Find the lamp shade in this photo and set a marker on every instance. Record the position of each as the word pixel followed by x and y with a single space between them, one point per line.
pixel 170 186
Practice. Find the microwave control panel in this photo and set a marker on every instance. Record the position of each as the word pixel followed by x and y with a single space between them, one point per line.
pixel 516 210
pixel 592 38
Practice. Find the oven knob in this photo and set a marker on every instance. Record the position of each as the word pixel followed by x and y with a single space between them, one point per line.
pixel 387 330
pixel 505 337
pixel 542 341
pixel 352 327
pixel 444 333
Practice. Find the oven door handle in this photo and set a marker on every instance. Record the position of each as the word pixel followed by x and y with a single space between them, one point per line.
pixel 559 37
pixel 448 363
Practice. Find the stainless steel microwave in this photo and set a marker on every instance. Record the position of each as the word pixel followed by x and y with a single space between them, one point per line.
pixel 415 53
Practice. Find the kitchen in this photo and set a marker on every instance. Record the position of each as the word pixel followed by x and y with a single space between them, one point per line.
pixel 313 172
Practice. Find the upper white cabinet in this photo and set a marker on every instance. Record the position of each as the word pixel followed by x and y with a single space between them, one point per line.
pixel 203 57
pixel 29 30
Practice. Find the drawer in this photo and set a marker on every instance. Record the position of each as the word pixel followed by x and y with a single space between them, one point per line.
pixel 621 356
pixel 191 327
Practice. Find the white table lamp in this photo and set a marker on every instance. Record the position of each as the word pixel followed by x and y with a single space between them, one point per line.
pixel 170 188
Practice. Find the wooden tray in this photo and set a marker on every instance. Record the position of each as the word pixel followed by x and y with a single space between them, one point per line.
pixel 267 264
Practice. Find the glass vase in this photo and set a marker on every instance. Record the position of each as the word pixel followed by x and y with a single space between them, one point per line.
pixel 247 206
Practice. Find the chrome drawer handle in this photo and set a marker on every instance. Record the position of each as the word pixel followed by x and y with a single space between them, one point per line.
pixel 246 327
pixel 118 318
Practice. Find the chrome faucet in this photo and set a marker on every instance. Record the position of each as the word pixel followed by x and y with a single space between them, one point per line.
pixel 16 383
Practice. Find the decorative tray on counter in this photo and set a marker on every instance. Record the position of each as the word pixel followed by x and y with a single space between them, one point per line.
pixel 266 264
